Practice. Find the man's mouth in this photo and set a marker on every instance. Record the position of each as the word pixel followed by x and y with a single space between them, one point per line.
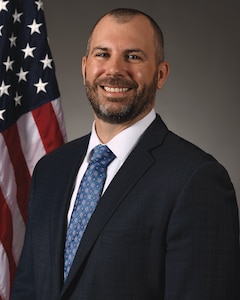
pixel 116 85
pixel 115 89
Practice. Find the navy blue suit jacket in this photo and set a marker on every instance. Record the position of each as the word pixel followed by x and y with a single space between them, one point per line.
pixel 166 227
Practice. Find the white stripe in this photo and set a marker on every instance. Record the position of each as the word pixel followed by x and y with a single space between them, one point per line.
pixel 9 190
pixel 56 104
pixel 4 275
pixel 30 139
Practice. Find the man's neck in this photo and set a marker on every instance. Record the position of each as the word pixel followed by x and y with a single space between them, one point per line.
pixel 106 131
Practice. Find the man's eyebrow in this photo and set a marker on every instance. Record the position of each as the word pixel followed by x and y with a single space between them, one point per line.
pixel 99 48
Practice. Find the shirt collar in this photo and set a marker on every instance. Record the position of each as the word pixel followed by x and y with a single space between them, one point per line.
pixel 128 137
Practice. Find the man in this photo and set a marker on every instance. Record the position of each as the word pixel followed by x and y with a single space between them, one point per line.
pixel 166 225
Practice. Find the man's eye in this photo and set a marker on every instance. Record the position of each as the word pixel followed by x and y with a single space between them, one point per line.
pixel 102 54
pixel 133 56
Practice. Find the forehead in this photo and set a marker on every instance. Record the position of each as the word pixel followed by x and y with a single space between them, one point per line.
pixel 135 32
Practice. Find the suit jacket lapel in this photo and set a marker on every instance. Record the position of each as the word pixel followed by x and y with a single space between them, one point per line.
pixel 58 225
pixel 133 169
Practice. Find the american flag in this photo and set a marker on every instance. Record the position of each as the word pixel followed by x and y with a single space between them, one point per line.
pixel 31 120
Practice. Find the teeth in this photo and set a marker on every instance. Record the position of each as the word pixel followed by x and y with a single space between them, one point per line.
pixel 115 90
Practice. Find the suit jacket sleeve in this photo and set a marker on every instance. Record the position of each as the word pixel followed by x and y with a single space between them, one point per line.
pixel 202 257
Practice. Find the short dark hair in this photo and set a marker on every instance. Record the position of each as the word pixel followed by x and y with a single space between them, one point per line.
pixel 124 15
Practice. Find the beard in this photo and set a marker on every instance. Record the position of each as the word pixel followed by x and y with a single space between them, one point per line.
pixel 128 107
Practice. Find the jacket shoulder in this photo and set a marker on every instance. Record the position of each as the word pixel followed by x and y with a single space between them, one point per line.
pixel 65 155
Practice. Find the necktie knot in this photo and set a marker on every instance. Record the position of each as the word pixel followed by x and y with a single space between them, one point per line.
pixel 103 155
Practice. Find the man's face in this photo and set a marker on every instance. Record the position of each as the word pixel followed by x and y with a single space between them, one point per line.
pixel 120 71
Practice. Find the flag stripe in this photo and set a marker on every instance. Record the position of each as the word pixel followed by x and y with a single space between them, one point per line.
pixel 51 136
pixel 59 114
pixel 4 275
pixel 11 223
pixel 9 191
pixel 22 175
pixel 7 234
pixel 32 148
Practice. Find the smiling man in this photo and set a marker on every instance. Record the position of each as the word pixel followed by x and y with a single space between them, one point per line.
pixel 131 210
pixel 122 69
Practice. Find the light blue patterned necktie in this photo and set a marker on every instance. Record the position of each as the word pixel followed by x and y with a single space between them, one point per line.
pixel 89 192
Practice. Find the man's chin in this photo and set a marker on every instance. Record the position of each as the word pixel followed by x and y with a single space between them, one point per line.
pixel 113 117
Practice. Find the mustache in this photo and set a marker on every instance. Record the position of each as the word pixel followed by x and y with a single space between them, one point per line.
pixel 117 81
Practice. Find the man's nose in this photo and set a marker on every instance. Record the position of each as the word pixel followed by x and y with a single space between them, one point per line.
pixel 116 66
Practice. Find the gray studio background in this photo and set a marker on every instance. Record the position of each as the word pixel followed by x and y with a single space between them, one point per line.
pixel 200 101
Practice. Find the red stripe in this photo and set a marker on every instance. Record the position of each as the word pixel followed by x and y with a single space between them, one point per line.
pixel 6 235
pixel 48 127
pixel 22 176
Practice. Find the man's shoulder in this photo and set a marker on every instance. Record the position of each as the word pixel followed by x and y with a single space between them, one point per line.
pixel 169 144
pixel 70 151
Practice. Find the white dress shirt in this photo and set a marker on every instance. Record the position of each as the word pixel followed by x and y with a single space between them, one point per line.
pixel 128 138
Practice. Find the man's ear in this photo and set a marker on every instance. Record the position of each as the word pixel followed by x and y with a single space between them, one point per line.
pixel 163 71
pixel 84 59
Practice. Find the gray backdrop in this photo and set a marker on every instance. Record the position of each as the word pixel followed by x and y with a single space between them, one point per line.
pixel 200 101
